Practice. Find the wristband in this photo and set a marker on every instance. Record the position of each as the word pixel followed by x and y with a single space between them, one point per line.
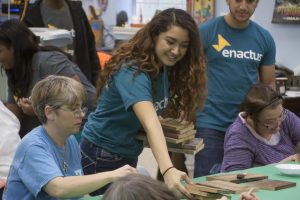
pixel 167 170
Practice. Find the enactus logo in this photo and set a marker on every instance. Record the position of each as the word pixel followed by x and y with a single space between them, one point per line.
pixel 232 53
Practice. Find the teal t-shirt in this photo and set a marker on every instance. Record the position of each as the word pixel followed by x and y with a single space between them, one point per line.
pixel 233 60
pixel 113 125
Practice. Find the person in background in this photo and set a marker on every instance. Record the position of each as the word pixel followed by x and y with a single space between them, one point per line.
pixel 97 26
pixel 66 14
pixel 9 140
pixel 47 161
pixel 25 63
pixel 161 67
pixel 263 133
pixel 239 53
pixel 135 186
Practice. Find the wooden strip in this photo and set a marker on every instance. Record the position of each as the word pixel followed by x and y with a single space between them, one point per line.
pixel 197 187
pixel 186 151
pixel 193 143
pixel 272 184
pixel 181 135
pixel 175 125
pixel 178 131
pixel 236 188
pixel 180 140
pixel 247 177
pixel 205 194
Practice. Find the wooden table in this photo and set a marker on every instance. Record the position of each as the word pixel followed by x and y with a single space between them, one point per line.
pixel 292 193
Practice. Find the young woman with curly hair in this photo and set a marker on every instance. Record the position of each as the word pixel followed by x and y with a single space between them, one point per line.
pixel 162 66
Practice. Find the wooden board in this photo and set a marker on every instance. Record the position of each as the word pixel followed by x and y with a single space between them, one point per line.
pixel 186 151
pixel 178 131
pixel 174 147
pixel 272 184
pixel 235 188
pixel 236 178
pixel 196 187
pixel 175 125
pixel 180 140
pixel 193 143
pixel 181 135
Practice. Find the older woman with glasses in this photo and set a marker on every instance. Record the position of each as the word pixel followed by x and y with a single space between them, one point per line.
pixel 263 133
pixel 47 163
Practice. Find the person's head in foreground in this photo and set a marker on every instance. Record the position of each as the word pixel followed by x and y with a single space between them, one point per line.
pixel 136 186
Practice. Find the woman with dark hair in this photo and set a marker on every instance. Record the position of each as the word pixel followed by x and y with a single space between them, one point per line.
pixel 263 133
pixel 25 63
pixel 162 66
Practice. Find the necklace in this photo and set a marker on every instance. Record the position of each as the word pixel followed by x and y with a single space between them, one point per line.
pixel 64 162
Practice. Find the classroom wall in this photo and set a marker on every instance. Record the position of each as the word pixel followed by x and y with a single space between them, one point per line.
pixel 113 7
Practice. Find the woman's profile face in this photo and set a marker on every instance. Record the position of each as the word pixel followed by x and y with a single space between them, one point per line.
pixel 6 57
pixel 270 119
pixel 171 46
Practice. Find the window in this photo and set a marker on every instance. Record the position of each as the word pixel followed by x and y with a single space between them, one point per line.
pixel 147 8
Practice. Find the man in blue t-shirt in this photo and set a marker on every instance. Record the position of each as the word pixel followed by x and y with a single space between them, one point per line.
pixel 239 53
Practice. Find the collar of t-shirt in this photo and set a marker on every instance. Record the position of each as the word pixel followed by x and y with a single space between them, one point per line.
pixel 274 140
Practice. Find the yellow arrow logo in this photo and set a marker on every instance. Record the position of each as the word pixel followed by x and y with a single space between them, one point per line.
pixel 222 43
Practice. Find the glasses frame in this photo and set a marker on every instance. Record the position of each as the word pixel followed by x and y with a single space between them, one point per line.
pixel 77 112
pixel 271 126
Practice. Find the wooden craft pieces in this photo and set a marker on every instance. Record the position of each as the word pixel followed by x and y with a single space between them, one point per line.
pixel 233 187
pixel 272 184
pixel 201 192
pixel 237 177
pixel 180 136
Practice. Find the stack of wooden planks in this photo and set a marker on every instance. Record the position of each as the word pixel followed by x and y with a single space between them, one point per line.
pixel 220 185
pixel 180 136
pixel 202 192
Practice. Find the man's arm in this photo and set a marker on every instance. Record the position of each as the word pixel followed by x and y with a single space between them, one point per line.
pixel 267 75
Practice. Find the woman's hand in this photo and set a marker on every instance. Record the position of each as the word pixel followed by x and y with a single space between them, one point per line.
pixel 2 184
pixel 26 106
pixel 123 171
pixel 294 158
pixel 244 196
pixel 247 196
pixel 173 178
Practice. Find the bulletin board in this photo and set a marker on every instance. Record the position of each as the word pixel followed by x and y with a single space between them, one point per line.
pixel 203 10
pixel 286 12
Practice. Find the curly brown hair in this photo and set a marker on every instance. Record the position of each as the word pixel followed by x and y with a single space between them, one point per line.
pixel 187 78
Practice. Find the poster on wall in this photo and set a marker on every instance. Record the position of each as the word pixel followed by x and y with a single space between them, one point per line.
pixel 103 4
pixel 203 10
pixel 286 12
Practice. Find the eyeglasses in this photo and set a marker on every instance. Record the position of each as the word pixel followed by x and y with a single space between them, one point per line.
pixel 77 111
pixel 272 124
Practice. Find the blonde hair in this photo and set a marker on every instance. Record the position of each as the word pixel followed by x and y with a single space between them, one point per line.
pixel 56 91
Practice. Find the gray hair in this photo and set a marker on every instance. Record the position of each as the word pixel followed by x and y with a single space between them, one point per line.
pixel 56 91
